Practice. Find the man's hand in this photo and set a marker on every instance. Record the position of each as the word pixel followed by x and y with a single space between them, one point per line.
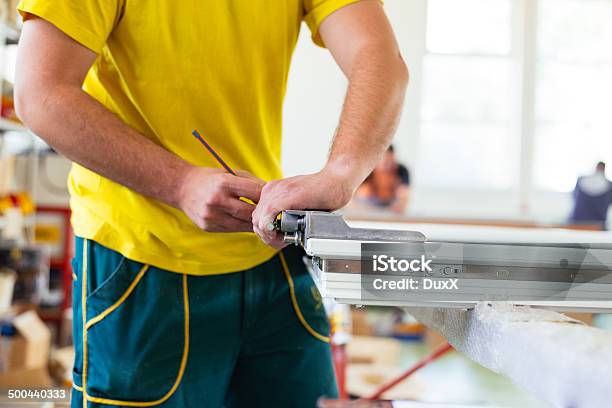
pixel 211 199
pixel 326 190
pixel 362 42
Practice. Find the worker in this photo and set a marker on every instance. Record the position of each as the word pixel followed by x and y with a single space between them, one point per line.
pixel 388 185
pixel 182 296
pixel 592 198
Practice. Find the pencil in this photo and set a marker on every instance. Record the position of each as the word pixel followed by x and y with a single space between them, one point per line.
pixel 212 151
pixel 222 162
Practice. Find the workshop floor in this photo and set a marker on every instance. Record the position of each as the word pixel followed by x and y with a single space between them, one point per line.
pixel 456 379
pixel 5 402
pixel 453 379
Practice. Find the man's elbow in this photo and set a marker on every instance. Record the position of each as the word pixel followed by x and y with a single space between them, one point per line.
pixel 32 104
pixel 402 72
pixel 25 104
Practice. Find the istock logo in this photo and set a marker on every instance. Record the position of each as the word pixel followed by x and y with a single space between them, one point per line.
pixel 385 263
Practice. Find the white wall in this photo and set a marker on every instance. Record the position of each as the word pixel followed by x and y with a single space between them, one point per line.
pixel 312 107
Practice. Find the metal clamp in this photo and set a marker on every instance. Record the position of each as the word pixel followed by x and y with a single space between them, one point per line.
pixel 299 226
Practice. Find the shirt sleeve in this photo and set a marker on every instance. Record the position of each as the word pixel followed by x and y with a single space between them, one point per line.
pixel 315 11
pixel 89 22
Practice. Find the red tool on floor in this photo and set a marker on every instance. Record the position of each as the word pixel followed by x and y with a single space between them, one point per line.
pixel 439 352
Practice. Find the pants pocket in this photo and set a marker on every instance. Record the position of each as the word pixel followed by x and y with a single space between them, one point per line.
pixel 305 297
pixel 135 335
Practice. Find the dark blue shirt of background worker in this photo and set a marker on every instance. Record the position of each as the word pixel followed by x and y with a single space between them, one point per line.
pixel 592 197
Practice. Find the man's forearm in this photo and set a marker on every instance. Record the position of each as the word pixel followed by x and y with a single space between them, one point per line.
pixel 84 131
pixel 371 112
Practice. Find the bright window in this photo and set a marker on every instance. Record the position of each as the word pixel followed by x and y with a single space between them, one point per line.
pixel 573 116
pixel 468 94
pixel 457 26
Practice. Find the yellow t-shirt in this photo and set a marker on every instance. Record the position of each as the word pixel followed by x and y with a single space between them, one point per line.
pixel 166 67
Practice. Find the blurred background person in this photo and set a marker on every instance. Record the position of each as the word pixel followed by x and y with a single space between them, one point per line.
pixel 592 197
pixel 387 187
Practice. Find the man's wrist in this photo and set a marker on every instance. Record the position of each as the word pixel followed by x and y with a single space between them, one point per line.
pixel 180 188
pixel 348 175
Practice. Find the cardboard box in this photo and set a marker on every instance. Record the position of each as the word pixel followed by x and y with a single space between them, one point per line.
pixel 26 378
pixel 60 365
pixel 24 355
pixel 361 326
pixel 7 286
pixel 373 350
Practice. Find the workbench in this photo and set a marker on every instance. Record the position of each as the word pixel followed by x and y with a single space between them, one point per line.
pixel 556 358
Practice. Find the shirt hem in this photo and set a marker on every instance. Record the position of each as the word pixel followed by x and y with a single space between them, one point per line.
pixel 188 267
pixel 316 16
